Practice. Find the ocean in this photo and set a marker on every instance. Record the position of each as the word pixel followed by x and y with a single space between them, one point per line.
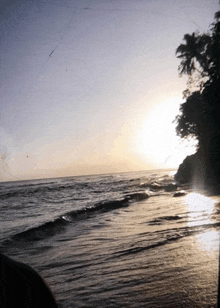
pixel 116 240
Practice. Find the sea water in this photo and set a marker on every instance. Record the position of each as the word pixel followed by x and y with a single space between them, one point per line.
pixel 115 240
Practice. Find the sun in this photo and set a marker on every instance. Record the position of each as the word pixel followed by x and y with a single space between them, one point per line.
pixel 157 139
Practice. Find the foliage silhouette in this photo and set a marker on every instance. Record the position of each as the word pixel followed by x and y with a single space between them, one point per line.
pixel 200 113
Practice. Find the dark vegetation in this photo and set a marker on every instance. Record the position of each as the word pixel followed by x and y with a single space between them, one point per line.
pixel 199 116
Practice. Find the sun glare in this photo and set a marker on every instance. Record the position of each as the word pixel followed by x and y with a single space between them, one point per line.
pixel 208 240
pixel 157 138
pixel 197 202
pixel 200 208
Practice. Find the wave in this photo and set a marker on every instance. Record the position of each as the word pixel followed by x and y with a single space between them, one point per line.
pixel 164 219
pixel 165 185
pixel 171 236
pixel 30 190
pixel 97 186
pixel 52 227
pixel 34 184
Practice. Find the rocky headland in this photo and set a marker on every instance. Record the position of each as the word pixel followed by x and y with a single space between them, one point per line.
pixel 199 172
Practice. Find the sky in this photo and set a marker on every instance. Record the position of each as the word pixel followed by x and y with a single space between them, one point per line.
pixel 92 86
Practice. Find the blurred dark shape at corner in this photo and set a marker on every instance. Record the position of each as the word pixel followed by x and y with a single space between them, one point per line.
pixel 22 286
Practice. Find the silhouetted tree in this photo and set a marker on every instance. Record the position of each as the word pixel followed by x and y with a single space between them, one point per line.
pixel 194 54
pixel 200 113
pixel 191 117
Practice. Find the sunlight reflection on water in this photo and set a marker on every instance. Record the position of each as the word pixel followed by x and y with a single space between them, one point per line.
pixel 200 210
pixel 198 203
pixel 208 240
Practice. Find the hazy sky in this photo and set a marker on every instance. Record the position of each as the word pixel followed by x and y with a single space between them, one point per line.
pixel 91 86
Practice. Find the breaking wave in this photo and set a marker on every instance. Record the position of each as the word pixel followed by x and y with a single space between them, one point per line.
pixel 50 228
